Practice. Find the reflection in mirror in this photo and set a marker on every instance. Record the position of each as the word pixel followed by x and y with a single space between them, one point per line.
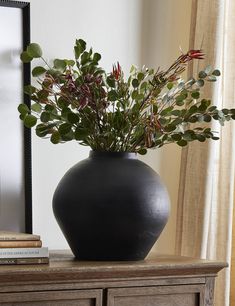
pixel 15 172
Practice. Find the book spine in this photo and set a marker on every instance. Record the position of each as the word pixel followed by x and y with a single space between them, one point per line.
pixel 23 252
pixel 24 261
pixel 19 238
pixel 21 244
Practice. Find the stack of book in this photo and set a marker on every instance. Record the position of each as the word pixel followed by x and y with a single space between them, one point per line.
pixel 21 248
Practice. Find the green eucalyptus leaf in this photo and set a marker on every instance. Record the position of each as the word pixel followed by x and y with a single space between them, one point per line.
pixel 72 118
pixel 142 151
pixel 77 51
pixel 45 116
pixel 80 42
pixel 193 109
pixel 62 103
pixel 25 57
pixel 110 81
pixel 81 133
pixel 212 108
pixel 225 111
pixel 64 128
pixel 134 94
pixel 140 76
pixel 207 118
pixel 176 137
pixel 202 74
pixel 60 64
pixel 34 50
pixel 135 83
pixel 23 109
pixel 176 112
pixel 182 143
pixel 29 90
pixel 70 62
pixel 216 72
pixel 36 107
pixel 38 71
pixel 166 111
pixel 170 85
pixel 112 95
pixel 96 57
pixel 68 137
pixel 30 121
pixel 200 137
pixel 200 83
pixel 55 137
pixel 195 94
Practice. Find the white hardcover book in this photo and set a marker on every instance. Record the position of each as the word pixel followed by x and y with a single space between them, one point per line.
pixel 24 252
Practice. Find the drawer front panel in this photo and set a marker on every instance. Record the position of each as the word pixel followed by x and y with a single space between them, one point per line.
pixel 50 298
pixel 186 295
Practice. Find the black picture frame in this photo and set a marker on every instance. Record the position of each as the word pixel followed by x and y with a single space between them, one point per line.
pixel 25 8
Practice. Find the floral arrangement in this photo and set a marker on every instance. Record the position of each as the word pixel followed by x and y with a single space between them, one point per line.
pixel 78 100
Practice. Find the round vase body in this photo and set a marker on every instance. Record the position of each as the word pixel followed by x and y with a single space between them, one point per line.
pixel 111 206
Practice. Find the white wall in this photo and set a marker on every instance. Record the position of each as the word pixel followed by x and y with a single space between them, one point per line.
pixel 130 31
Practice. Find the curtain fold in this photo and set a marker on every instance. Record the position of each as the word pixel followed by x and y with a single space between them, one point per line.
pixel 206 190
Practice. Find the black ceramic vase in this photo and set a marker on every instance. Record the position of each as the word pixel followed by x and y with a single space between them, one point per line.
pixel 111 206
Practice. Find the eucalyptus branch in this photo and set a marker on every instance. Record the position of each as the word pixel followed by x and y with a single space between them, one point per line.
pixel 107 113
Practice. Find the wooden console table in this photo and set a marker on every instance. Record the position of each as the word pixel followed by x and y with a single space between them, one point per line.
pixel 156 281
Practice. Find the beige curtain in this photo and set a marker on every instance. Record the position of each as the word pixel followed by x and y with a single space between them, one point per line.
pixel 205 205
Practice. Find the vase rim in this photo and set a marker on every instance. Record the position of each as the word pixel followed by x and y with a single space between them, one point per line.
pixel 128 155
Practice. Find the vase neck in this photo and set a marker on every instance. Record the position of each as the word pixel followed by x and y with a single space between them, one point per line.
pixel 107 154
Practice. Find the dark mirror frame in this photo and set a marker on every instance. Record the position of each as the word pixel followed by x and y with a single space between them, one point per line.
pixel 25 7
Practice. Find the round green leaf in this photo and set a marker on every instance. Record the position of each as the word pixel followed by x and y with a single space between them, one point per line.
pixel 140 76
pixel 96 57
pixel 207 118
pixel 30 121
pixel 34 50
pixel 135 83
pixel 38 71
pixel 202 74
pixel 72 118
pixel 25 57
pixel 64 128
pixel 29 90
pixel 142 151
pixel 216 72
pixel 200 138
pixel 55 137
pixel 110 81
pixel 112 95
pixel 81 133
pixel 182 143
pixel 195 94
pixel 60 64
pixel 36 107
pixel 170 85
pixel 176 137
pixel 70 62
pixel 45 116
pixel 200 83
pixel 23 109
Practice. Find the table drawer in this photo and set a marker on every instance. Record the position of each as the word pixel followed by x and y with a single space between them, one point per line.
pixel 184 295
pixel 50 298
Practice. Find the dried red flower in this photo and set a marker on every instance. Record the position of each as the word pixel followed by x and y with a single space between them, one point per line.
pixel 117 71
pixel 195 54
